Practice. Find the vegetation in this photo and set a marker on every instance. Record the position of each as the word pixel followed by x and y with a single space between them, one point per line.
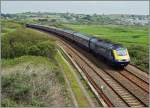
pixel 81 99
pixel 30 74
pixel 32 70
pixel 8 26
pixel 32 81
pixel 24 41
pixel 135 38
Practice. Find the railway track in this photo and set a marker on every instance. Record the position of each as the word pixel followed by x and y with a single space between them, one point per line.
pixel 136 80
pixel 123 96
pixel 137 73
pixel 128 87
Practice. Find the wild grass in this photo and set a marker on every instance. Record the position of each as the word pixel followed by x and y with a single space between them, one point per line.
pixel 24 41
pixel 30 74
pixel 80 97
pixel 32 81
pixel 10 24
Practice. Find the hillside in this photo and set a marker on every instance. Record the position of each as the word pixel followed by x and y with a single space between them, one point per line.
pixel 34 72
pixel 31 76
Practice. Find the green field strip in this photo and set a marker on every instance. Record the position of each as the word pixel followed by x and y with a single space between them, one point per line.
pixel 80 97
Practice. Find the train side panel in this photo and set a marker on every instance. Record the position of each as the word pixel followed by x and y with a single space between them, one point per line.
pixel 98 49
pixel 82 40
pixel 68 34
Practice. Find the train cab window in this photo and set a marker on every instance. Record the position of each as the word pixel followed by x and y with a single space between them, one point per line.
pixel 121 52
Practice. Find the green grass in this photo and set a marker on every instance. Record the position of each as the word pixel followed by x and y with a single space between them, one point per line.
pixel 127 35
pixel 23 59
pixel 8 26
pixel 81 99
pixel 25 41
pixel 135 38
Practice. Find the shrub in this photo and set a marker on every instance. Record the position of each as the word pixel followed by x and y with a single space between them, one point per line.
pixel 8 103
pixel 16 86
pixel 27 42
pixel 33 85
pixel 46 48
pixel 33 50
pixel 7 51
pixel 19 49
pixel 139 56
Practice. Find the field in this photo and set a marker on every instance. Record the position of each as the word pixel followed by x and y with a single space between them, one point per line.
pixel 135 38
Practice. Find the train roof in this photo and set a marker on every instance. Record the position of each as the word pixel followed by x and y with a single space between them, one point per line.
pixel 68 31
pixel 102 42
pixel 82 35
pixel 107 44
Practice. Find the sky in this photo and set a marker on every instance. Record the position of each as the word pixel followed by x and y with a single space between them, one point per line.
pixel 84 7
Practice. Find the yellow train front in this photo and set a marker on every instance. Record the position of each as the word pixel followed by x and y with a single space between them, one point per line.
pixel 120 57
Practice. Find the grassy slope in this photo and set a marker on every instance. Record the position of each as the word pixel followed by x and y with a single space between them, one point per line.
pixel 135 38
pixel 24 76
pixel 8 26
pixel 81 99
pixel 25 41
pixel 30 80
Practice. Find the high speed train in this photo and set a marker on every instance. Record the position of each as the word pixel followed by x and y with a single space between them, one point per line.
pixel 115 54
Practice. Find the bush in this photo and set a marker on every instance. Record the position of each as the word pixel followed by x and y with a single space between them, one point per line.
pixel 8 103
pixel 33 50
pixel 46 48
pixel 7 51
pixel 139 56
pixel 19 49
pixel 32 84
pixel 16 86
pixel 27 42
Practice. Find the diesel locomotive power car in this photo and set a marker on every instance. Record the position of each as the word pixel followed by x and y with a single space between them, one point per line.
pixel 115 54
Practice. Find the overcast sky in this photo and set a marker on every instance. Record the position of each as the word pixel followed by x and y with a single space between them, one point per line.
pixel 86 7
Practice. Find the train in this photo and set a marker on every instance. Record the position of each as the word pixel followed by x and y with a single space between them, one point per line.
pixel 115 54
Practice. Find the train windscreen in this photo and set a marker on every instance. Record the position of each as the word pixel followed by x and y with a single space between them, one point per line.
pixel 121 51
